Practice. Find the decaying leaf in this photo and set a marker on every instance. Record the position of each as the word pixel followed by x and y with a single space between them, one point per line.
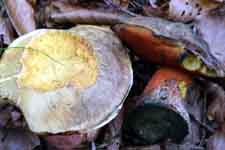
pixel 150 147
pixel 33 2
pixel 86 16
pixel 181 10
pixel 121 3
pixel 69 5
pixel 68 141
pixel 10 117
pixel 6 30
pixel 17 139
pixel 217 140
pixel 113 133
pixel 93 13
pixel 216 98
pixel 211 28
pixel 21 15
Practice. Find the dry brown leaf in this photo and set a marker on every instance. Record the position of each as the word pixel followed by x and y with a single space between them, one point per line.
pixel 65 142
pixel 217 140
pixel 10 117
pixel 6 30
pixel 86 16
pixel 181 10
pixel 17 139
pixel 69 141
pixel 121 3
pixel 152 147
pixel 33 2
pixel 212 30
pixel 216 98
pixel 62 12
pixel 21 15
pixel 114 132
pixel 218 1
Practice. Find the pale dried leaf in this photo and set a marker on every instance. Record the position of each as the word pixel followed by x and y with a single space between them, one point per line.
pixel 211 28
pixel 17 139
pixel 152 147
pixel 216 97
pixel 217 140
pixel 82 16
pixel 6 30
pixel 21 15
pixel 64 142
pixel 114 132
pixel 181 10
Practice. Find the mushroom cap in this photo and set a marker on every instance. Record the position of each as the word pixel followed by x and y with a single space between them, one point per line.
pixel 72 101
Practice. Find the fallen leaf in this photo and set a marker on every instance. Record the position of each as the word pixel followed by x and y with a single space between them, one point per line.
pixel 17 139
pixel 64 142
pixel 6 30
pixel 151 147
pixel 217 140
pixel 87 16
pixel 216 98
pixel 90 13
pixel 211 29
pixel 21 15
pixel 69 141
pixel 114 133
pixel 180 10
pixel 11 117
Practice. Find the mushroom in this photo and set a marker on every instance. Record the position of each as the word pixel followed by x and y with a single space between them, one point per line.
pixel 160 113
pixel 72 80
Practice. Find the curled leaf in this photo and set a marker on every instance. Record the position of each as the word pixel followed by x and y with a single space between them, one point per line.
pixel 217 140
pixel 93 13
pixel 18 139
pixel 87 16
pixel 181 10
pixel 6 30
pixel 114 132
pixel 21 15
pixel 216 98
pixel 68 141
pixel 211 29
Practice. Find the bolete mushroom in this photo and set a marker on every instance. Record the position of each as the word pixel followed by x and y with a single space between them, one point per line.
pixel 66 80
pixel 160 113
pixel 169 43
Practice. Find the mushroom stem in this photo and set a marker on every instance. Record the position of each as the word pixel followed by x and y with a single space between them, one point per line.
pixel 160 114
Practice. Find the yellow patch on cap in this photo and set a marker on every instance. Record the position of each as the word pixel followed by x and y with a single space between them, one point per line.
pixel 55 59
